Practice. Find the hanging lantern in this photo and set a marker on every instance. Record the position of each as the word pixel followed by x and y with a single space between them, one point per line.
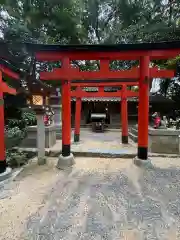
pixel 39 100
pixel 38 93
pixel 38 96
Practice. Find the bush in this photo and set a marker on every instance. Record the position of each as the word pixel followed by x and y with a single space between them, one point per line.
pixel 15 158
pixel 15 132
pixel 29 118
pixel 14 136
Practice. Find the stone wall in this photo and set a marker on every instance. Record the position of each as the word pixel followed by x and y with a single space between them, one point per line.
pixel 31 139
pixel 55 102
pixel 164 141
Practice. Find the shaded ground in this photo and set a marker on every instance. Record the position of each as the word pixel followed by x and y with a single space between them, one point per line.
pixel 107 142
pixel 96 199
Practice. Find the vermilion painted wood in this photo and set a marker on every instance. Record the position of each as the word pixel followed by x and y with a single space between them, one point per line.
pixel 66 109
pixel 124 112
pixel 9 72
pixel 119 55
pixel 6 89
pixel 101 89
pixel 143 108
pixel 74 74
pixel 78 114
pixel 2 145
pixel 81 94
pixel 105 84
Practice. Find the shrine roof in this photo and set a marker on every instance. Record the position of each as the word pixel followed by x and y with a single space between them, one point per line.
pixel 104 99
pixel 153 98
pixel 104 47
pixel 105 81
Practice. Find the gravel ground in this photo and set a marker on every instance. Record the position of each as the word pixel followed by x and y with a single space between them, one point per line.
pixel 101 199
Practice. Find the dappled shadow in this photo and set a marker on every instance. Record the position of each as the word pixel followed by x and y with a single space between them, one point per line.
pixel 94 205
pixel 163 184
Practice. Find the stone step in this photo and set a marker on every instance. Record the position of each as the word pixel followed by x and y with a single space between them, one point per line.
pixel 133 137
pixel 134 131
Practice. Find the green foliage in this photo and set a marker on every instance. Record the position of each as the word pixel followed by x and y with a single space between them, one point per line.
pixel 29 118
pixel 13 137
pixel 44 21
pixel 172 63
pixel 16 158
pixel 14 132
pixel 93 21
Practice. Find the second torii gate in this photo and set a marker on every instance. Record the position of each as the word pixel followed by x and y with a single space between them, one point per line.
pixel 124 94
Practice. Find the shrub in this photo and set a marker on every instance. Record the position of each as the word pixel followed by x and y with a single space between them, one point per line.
pixel 14 133
pixel 16 158
pixel 29 118
pixel 14 136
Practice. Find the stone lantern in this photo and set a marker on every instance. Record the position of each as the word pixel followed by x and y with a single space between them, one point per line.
pixel 37 94
pixel 38 100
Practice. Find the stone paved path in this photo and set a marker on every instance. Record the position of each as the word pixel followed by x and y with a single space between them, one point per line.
pixel 101 199
pixel 107 142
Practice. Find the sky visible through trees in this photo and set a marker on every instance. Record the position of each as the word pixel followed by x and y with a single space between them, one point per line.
pixel 90 21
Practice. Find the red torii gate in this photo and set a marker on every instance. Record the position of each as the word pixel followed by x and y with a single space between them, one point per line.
pixel 133 73
pixel 142 52
pixel 4 88
pixel 124 94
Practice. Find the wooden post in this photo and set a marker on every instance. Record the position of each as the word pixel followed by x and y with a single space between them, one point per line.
pixel 2 142
pixel 124 115
pixel 66 118
pixel 77 120
pixel 66 159
pixel 143 108
pixel 101 89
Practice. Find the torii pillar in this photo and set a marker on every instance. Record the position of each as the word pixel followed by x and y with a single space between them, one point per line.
pixel 66 158
pixel 124 115
pixel 77 117
pixel 5 172
pixel 143 111
pixel 3 164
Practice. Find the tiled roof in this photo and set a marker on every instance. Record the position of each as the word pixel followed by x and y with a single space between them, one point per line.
pixel 152 98
pixel 104 99
pixel 95 89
